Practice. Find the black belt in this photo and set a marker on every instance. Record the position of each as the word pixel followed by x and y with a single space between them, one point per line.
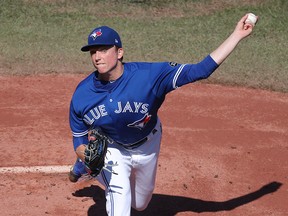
pixel 139 143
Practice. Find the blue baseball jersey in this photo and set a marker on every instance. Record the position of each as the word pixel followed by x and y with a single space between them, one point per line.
pixel 126 109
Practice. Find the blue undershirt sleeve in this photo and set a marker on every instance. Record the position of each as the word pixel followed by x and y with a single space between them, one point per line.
pixel 193 72
pixel 77 141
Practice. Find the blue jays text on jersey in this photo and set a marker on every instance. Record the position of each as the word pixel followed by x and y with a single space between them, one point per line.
pixel 126 109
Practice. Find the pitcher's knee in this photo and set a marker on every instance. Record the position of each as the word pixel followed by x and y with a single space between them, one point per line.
pixel 140 208
pixel 141 204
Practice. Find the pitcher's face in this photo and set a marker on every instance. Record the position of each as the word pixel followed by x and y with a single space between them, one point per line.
pixel 105 58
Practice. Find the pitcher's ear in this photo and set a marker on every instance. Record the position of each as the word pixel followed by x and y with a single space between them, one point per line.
pixel 120 53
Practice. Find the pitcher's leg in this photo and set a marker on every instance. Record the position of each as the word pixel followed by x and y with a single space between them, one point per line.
pixel 117 184
pixel 144 171
pixel 142 188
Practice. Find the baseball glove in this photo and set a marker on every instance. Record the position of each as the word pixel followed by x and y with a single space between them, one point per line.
pixel 95 152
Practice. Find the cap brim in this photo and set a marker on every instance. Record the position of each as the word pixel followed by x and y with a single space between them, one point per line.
pixel 87 48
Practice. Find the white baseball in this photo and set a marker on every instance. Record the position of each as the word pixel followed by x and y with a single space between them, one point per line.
pixel 252 19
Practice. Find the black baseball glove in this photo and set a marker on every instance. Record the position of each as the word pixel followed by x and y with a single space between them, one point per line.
pixel 95 152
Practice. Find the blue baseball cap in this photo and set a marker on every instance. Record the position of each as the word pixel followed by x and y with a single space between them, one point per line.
pixel 102 36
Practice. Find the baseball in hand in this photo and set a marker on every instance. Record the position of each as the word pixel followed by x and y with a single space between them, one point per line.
pixel 251 19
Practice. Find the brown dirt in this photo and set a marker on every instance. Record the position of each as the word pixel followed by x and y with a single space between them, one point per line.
pixel 224 151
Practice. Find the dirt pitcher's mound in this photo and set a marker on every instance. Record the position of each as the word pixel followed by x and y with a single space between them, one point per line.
pixel 224 151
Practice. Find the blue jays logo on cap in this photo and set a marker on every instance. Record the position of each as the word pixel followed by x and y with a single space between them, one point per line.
pixel 102 36
pixel 96 34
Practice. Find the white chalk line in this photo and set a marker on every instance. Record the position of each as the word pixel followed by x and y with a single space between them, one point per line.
pixel 35 169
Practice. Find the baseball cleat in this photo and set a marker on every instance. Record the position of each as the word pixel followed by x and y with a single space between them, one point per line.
pixel 73 177
pixel 77 170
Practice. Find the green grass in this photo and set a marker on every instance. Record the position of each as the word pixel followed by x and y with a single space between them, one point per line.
pixel 46 36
